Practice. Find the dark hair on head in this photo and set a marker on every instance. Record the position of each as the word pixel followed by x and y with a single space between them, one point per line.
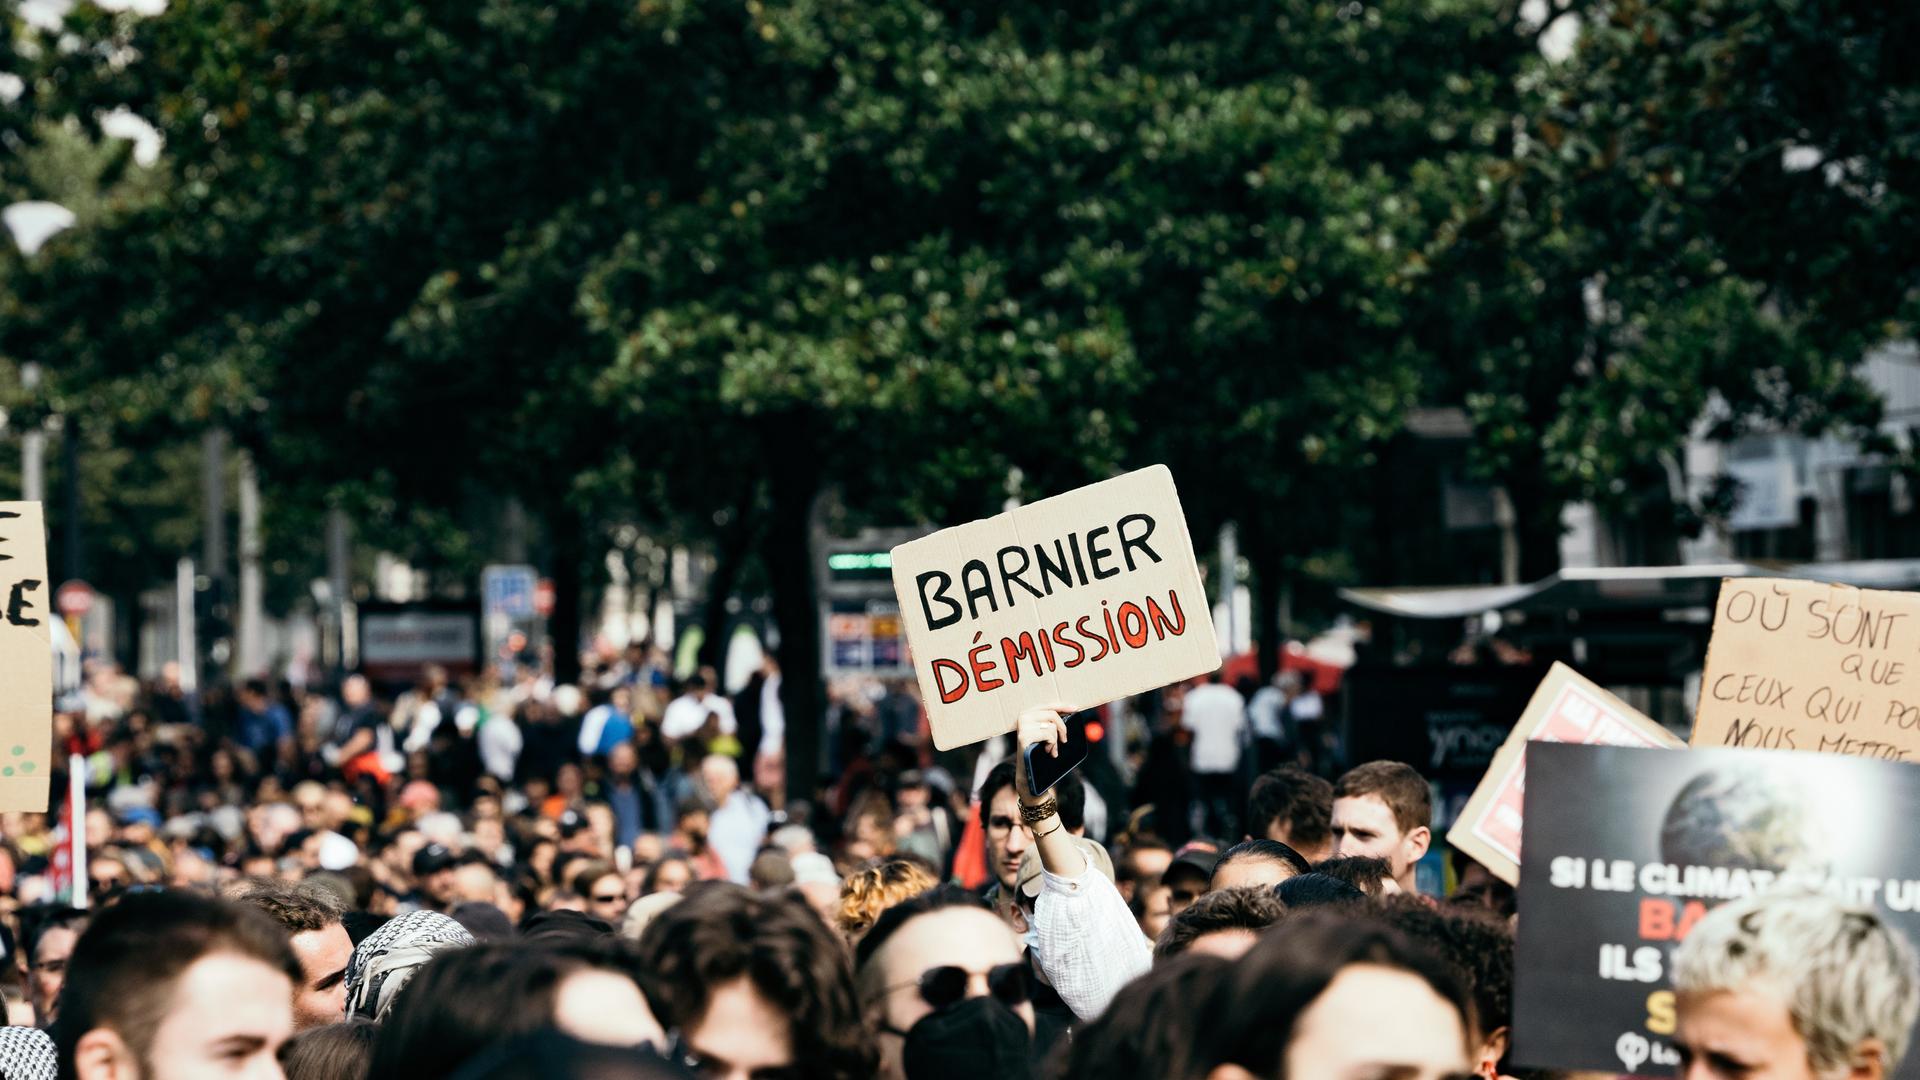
pixel 1363 872
pixel 891 920
pixel 998 779
pixel 581 877
pixel 360 924
pixel 1249 1020
pixel 551 1055
pixel 330 1052
pixel 1477 945
pixel 1317 890
pixel 1149 1028
pixel 651 883
pixel 298 909
pixel 1263 849
pixel 36 920
pixel 1123 867
pixel 1223 909
pixel 1293 797
pixel 124 968
pixel 562 925
pixel 465 1000
pixel 1071 793
pixel 1395 783
pixel 788 955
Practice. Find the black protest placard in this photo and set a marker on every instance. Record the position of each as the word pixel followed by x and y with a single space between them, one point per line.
pixel 1627 849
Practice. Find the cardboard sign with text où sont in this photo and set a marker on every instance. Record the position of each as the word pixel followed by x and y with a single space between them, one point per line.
pixel 1806 665
pixel 1567 708
pixel 26 660
pixel 1081 599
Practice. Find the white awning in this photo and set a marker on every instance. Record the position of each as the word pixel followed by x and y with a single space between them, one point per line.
pixel 1582 588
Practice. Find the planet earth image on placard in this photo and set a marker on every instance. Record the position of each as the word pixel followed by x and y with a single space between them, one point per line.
pixel 1744 818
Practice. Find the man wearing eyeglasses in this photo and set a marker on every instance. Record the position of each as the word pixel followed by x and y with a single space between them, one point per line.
pixel 1008 838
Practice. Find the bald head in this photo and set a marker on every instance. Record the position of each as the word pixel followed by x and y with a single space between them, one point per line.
pixel 721 775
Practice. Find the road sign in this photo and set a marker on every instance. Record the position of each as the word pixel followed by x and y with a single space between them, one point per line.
pixel 509 591
pixel 74 599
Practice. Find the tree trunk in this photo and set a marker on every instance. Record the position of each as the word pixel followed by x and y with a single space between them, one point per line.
pixel 564 627
pixel 730 556
pixel 793 478
pixel 1267 573
pixel 1537 523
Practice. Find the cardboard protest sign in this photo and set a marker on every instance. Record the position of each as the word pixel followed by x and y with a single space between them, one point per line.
pixel 1805 665
pixel 1567 708
pixel 1081 599
pixel 26 660
pixel 1627 849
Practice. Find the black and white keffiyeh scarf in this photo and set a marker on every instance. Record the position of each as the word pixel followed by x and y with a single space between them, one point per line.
pixel 389 956
pixel 26 1054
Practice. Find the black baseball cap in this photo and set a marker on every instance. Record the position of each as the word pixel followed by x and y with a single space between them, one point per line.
pixel 432 859
pixel 1195 858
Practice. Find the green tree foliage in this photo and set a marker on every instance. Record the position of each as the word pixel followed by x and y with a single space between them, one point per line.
pixel 689 267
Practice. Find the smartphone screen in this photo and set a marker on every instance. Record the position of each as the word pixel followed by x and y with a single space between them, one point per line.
pixel 1045 770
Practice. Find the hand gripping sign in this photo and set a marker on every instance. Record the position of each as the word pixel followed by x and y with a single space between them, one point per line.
pixel 1084 598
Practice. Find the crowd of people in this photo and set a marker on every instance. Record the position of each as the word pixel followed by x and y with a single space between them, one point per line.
pixel 609 879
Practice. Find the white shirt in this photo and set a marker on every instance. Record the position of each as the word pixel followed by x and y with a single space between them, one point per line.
pixel 686 714
pixel 1089 945
pixel 426 718
pixel 1217 715
pixel 1264 710
pixel 500 742
pixel 1307 706
pixel 736 830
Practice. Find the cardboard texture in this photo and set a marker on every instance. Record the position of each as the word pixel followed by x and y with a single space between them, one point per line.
pixel 1805 665
pixel 1079 599
pixel 1567 708
pixel 26 660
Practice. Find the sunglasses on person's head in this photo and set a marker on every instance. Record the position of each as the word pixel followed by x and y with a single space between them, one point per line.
pixel 944 986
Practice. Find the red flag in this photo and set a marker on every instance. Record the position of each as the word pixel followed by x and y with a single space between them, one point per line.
pixel 970 858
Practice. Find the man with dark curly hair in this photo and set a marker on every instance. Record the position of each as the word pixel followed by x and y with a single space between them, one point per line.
pixel 752 985
pixel 1225 923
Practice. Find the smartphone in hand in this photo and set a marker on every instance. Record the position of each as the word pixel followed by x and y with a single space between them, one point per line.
pixel 1045 770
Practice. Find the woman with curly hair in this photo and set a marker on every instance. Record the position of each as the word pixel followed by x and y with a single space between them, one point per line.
pixel 876 886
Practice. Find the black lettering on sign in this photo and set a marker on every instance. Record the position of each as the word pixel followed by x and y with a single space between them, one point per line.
pixel 19 603
pixel 1128 543
pixel 1743 605
pixel 939 593
pixel 1095 553
pixel 1853 624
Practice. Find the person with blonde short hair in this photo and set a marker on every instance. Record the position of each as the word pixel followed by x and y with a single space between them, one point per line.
pixel 1794 985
